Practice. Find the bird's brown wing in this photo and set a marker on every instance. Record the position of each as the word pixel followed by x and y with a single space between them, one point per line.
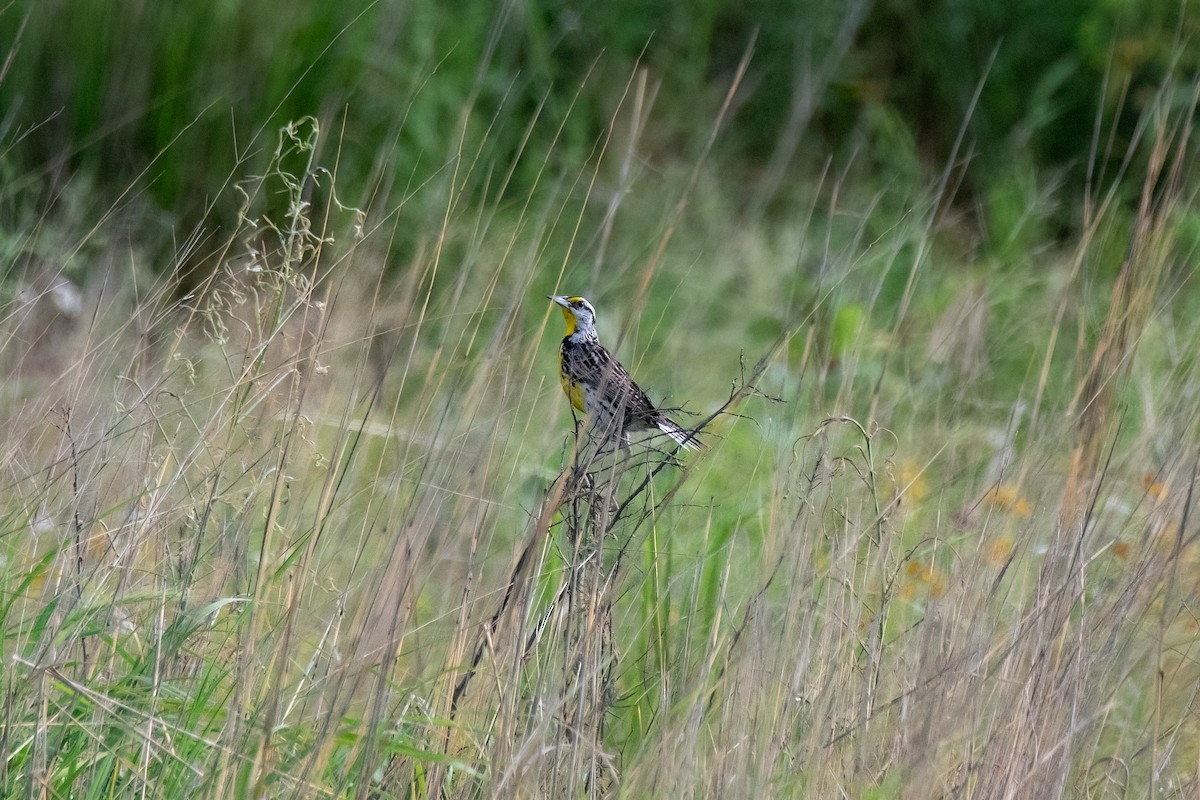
pixel 592 364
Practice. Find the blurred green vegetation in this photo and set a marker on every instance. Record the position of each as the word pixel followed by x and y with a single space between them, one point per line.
pixel 154 109
pixel 920 210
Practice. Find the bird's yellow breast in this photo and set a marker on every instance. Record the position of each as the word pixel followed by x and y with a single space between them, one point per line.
pixel 572 389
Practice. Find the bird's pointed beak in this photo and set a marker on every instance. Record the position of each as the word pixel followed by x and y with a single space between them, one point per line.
pixel 560 299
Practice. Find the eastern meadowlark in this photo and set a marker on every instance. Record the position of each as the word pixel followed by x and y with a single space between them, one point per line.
pixel 599 387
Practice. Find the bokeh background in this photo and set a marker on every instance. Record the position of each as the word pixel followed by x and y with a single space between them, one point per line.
pixel 151 111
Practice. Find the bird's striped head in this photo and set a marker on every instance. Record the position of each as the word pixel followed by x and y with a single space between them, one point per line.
pixel 579 314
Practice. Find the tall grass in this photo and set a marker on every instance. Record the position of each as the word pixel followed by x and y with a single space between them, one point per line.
pixel 313 531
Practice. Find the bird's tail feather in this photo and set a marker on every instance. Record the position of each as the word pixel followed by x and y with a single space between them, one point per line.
pixel 686 439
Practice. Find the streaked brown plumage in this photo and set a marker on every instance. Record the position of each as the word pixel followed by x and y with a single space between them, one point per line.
pixel 598 386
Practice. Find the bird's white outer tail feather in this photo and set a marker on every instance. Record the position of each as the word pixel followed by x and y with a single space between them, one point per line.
pixel 684 438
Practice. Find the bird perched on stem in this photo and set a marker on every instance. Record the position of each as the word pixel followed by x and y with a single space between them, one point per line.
pixel 599 387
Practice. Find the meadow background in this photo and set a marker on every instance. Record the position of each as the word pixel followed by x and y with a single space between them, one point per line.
pixel 282 507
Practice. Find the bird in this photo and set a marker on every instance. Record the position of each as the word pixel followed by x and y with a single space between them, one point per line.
pixel 599 387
